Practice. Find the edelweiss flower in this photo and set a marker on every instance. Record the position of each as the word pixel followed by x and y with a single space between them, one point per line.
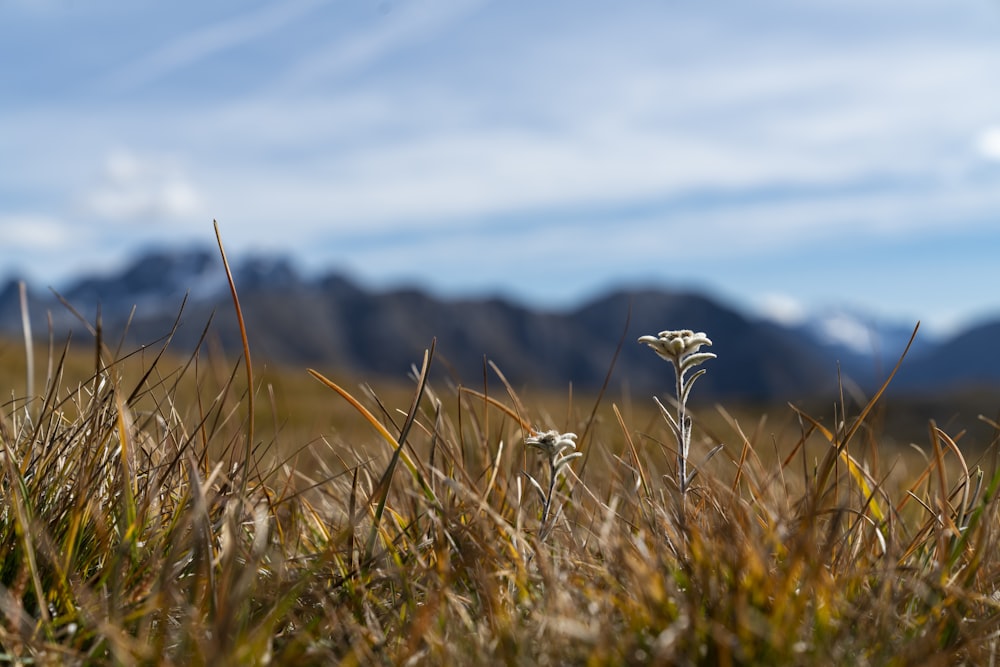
pixel 680 347
pixel 553 444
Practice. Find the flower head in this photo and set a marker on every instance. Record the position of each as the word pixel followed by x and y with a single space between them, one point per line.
pixel 553 444
pixel 672 344
pixel 680 347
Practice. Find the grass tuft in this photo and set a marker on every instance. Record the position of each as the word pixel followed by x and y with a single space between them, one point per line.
pixel 144 522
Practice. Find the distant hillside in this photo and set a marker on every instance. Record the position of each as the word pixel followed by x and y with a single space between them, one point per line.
pixel 332 323
pixel 971 358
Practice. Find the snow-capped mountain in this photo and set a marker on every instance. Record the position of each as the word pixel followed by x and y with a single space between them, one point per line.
pixel 330 320
pixel 865 344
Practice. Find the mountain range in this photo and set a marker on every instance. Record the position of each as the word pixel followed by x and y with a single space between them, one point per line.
pixel 332 323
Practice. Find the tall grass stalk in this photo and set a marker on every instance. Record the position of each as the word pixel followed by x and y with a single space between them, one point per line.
pixel 29 347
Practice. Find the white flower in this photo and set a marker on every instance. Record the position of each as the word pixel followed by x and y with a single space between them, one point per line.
pixel 553 444
pixel 680 347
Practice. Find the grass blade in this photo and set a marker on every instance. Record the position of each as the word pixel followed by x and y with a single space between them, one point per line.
pixel 246 360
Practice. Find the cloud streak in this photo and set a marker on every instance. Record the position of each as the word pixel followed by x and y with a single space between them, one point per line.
pixel 354 50
pixel 192 47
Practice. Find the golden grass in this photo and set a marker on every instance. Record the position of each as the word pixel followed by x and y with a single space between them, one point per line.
pixel 159 510
pixel 140 525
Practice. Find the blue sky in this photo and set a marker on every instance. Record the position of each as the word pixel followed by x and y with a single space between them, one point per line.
pixel 780 154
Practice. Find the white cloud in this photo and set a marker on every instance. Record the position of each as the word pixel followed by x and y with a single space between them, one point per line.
pixel 988 144
pixel 781 308
pixel 577 126
pixel 142 189
pixel 32 232
pixel 819 120
pixel 847 330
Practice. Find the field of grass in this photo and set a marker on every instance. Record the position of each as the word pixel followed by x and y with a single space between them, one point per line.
pixel 156 512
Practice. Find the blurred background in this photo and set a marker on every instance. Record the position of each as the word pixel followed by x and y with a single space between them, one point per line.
pixel 781 155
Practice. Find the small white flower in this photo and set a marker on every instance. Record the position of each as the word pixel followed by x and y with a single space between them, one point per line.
pixel 680 347
pixel 552 444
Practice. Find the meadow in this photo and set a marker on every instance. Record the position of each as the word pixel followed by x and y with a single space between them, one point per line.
pixel 197 510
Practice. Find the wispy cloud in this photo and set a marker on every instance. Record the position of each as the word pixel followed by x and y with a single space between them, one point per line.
pixel 606 130
pixel 190 48
pixel 353 49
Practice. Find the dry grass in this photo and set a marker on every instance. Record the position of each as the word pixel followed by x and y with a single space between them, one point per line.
pixel 140 526
pixel 152 514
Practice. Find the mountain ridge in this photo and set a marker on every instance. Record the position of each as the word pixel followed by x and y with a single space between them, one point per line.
pixel 330 320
